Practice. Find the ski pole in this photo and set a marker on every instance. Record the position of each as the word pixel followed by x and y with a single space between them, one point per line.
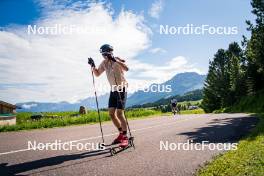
pixel 98 111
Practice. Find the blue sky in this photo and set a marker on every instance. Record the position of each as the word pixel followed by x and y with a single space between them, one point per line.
pixel 18 12
pixel 189 52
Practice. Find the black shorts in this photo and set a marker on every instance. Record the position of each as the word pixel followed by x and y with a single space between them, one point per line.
pixel 173 105
pixel 117 99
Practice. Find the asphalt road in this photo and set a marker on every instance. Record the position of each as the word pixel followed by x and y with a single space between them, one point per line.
pixel 149 157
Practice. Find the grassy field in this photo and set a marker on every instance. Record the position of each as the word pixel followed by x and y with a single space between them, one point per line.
pixel 190 102
pixel 194 111
pixel 60 119
pixel 248 159
pixel 24 122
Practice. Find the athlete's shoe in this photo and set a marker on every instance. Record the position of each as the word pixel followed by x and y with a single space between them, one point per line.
pixel 118 139
pixel 124 142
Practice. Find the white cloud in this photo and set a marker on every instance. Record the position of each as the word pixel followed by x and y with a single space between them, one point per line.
pixel 60 62
pixel 157 50
pixel 57 64
pixel 149 73
pixel 156 8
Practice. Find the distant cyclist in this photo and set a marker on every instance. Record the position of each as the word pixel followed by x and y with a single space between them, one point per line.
pixel 174 108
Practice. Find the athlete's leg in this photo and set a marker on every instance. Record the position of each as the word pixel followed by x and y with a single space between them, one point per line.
pixel 112 113
pixel 120 110
pixel 121 117
pixel 173 110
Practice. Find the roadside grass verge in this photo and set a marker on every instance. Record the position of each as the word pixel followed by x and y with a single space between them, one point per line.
pixel 24 122
pixel 248 159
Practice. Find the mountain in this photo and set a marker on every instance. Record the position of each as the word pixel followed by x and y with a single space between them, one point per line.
pixel 63 106
pixel 180 84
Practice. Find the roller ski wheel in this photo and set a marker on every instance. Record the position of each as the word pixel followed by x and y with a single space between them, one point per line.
pixel 113 151
pixel 131 142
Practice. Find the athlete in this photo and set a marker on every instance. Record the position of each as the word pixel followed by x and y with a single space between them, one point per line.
pixel 114 68
pixel 174 106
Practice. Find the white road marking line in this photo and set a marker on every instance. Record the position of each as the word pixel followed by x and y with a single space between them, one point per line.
pixel 106 135
pixel 15 151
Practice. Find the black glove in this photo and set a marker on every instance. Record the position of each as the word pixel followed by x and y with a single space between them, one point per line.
pixel 113 59
pixel 91 62
pixel 110 57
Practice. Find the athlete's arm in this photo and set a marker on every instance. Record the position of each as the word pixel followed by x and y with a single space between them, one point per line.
pixel 98 71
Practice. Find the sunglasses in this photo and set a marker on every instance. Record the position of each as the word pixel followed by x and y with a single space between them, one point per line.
pixel 106 54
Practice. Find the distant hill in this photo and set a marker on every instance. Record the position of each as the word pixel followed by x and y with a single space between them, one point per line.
pixel 63 106
pixel 180 84
pixel 188 96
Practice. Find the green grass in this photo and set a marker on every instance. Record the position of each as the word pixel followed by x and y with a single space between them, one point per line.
pixel 197 102
pixel 248 159
pixel 24 121
pixel 249 104
pixel 185 112
pixel 194 111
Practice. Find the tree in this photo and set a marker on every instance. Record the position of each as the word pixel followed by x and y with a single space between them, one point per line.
pixel 215 83
pixel 236 73
pixel 255 49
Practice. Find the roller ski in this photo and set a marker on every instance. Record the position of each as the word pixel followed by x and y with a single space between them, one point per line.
pixel 124 144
